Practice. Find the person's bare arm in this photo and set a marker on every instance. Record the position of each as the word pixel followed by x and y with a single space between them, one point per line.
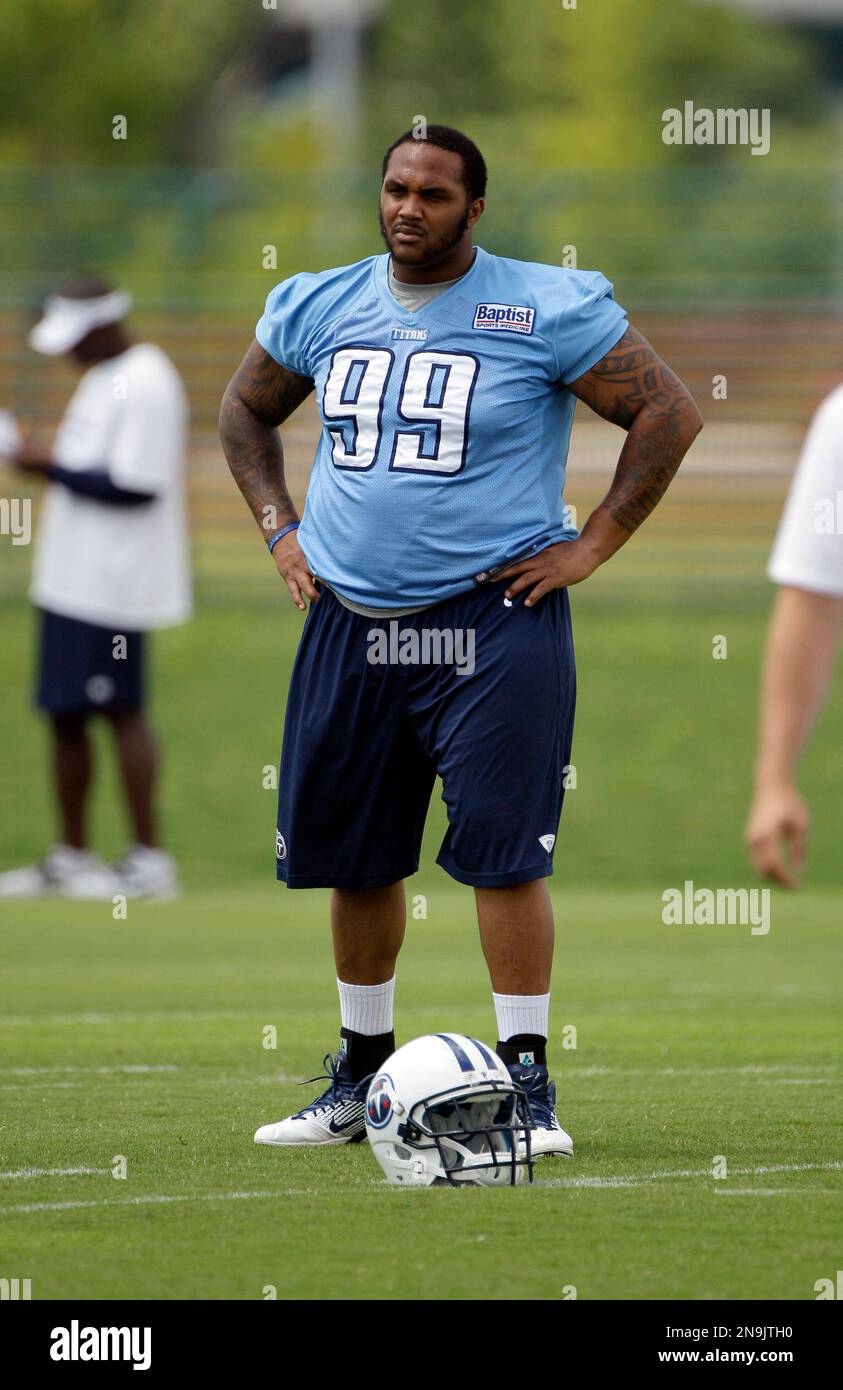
pixel 261 396
pixel 802 641
pixel 633 388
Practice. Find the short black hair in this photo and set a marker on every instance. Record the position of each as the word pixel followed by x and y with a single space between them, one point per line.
pixel 446 138
pixel 84 284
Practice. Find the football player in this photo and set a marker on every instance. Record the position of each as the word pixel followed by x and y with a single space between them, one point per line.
pixel 446 380
pixel 111 564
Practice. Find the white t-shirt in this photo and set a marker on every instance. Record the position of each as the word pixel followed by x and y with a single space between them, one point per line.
pixel 108 564
pixel 808 550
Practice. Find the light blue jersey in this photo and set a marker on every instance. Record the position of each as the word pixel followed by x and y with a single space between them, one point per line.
pixel 445 431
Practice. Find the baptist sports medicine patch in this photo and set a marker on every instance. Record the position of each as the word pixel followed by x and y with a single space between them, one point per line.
pixel 514 318
pixel 280 846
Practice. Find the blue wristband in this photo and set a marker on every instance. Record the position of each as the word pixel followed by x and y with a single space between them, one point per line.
pixel 274 539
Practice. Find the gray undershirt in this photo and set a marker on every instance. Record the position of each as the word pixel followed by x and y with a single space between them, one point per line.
pixel 414 297
pixel 411 298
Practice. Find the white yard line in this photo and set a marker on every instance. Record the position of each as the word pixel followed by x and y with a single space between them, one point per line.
pixel 644 1179
pixel 56 1085
pixel 287 1079
pixel 566 1074
pixel 174 1016
pixel 280 1079
pixel 328 1011
pixel 769 1191
pixel 31 1208
pixel 798 1081
pixel 50 1173
pixel 79 1071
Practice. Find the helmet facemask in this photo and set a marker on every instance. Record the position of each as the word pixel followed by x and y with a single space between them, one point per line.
pixel 482 1137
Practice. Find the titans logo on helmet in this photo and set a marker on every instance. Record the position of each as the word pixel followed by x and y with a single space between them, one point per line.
pixel 379 1101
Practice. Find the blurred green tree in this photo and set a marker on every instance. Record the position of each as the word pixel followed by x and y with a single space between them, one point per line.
pixel 567 106
pixel 68 67
pixel 223 159
pixel 585 88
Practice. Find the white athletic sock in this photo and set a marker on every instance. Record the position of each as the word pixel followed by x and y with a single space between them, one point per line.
pixel 367 1009
pixel 521 1013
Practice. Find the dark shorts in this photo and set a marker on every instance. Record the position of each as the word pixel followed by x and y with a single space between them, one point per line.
pixel 364 740
pixel 84 667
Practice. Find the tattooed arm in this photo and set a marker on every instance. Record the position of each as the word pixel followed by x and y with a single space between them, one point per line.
pixel 633 388
pixel 261 396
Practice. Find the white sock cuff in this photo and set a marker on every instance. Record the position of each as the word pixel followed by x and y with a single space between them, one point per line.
pixel 521 1013
pixel 367 1009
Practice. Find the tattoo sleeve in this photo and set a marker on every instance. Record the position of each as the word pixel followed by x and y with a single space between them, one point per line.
pixel 632 387
pixel 260 396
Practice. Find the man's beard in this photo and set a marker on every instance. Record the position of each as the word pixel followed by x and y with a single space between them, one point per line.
pixel 438 252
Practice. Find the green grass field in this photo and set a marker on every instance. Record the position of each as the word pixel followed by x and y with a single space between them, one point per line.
pixel 143 1038
pixel 664 737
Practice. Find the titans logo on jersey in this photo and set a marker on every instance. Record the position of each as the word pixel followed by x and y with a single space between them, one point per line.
pixel 444 432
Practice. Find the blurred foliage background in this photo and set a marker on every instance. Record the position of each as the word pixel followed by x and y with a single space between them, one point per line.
pixel 254 142
pixel 237 139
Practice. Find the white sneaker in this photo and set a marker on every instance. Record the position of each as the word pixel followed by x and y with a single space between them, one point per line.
pixel 63 872
pixel 144 872
pixel 338 1116
pixel 551 1139
pixel 548 1136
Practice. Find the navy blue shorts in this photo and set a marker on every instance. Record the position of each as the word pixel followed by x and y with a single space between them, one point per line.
pixel 378 707
pixel 82 668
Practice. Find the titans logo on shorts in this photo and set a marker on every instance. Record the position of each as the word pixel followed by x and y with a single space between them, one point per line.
pixel 366 734
pixel 84 667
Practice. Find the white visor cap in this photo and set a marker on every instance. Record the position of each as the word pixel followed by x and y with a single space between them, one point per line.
pixel 66 322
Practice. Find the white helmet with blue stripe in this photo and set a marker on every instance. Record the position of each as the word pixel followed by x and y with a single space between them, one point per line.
pixel 444 1109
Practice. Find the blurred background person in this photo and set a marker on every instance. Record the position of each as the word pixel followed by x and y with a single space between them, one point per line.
pixel 802 643
pixel 111 563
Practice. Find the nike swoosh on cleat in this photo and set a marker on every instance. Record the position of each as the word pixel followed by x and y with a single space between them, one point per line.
pixel 356 1113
